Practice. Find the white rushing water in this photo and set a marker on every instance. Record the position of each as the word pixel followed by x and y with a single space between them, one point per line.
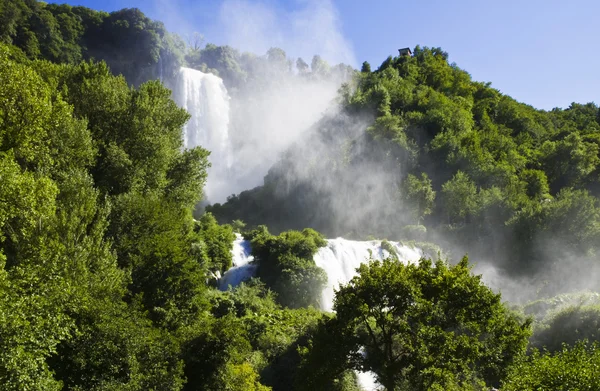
pixel 205 97
pixel 243 269
pixel 247 135
pixel 339 258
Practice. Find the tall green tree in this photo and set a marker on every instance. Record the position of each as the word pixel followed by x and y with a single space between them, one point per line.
pixel 427 326
pixel 420 195
pixel 218 242
pixel 286 265
pixel 460 196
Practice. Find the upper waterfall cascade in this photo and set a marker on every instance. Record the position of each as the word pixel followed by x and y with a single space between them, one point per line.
pixel 205 97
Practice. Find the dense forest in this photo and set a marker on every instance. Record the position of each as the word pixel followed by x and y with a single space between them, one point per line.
pixel 443 159
pixel 109 266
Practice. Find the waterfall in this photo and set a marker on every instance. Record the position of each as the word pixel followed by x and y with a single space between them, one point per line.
pixel 242 268
pixel 339 258
pixel 205 97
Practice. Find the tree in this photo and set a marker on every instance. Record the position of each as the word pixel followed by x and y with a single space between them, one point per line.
pixel 567 326
pixel 319 66
pixel 277 59
pixel 301 65
pixel 419 193
pixel 154 240
pixel 215 354
pixel 427 326
pixel 570 369
pixel 218 241
pixel 10 18
pixel 195 42
pixel 137 132
pixel 226 60
pixel 324 363
pixel 31 326
pixel 286 265
pixel 116 348
pixel 128 41
pixel 194 49
pixel 536 184
pixel 460 196
pixel 569 161
pixel 366 67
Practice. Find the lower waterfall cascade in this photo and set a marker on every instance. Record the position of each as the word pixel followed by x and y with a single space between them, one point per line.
pixel 243 269
pixel 339 258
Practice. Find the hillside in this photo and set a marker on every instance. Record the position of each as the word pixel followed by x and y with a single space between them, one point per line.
pixel 109 266
pixel 418 150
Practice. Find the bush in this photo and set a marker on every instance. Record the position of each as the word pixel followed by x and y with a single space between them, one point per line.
pixel 286 265
pixel 568 326
pixel 573 368
pixel 414 232
pixel 218 242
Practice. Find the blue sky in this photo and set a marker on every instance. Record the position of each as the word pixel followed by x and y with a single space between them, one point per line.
pixel 541 52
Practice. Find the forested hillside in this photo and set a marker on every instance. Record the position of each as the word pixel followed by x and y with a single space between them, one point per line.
pixel 420 151
pixel 108 282
pixel 137 47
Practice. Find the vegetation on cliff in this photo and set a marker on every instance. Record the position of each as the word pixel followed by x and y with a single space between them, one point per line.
pixel 107 278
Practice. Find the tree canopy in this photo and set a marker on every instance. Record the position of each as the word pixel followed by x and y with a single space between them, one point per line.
pixel 427 326
pixel 417 141
pixel 107 266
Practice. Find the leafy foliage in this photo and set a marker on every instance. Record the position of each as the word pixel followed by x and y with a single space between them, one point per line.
pixel 569 369
pixel 473 166
pixel 427 326
pixel 286 265
pixel 217 240
pixel 420 194
pixel 132 44
pixel 276 334
pixel 116 348
pixel 68 221
pixel 567 326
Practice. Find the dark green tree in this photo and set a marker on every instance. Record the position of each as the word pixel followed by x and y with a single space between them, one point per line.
pixel 218 242
pixel 569 369
pixel 567 326
pixel 366 67
pixel 420 195
pixel 427 326
pixel 301 65
pixel 286 265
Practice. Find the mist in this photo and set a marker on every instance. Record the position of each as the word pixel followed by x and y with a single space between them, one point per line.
pixel 269 115
pixel 268 119
pixel 272 101
pixel 312 28
pixel 286 124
